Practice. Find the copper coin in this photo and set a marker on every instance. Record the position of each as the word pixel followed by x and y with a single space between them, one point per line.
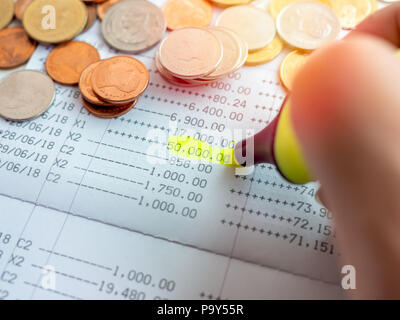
pixel 67 61
pixel 120 79
pixel 187 13
pixel 91 9
pixel 169 77
pixel 19 8
pixel 85 86
pixel 108 112
pixel 15 47
pixel 104 7
pixel 190 52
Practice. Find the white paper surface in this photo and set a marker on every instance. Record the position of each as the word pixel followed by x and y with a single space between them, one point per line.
pixel 82 197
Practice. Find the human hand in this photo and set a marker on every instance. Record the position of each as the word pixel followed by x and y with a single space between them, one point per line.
pixel 346 111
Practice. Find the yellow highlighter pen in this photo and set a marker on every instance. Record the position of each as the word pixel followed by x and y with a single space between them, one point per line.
pixel 278 144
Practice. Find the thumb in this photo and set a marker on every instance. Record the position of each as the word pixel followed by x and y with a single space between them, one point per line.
pixel 346 111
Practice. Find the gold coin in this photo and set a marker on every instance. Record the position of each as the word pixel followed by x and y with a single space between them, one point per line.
pixel 266 54
pixel 253 25
pixel 55 21
pixel 352 12
pixel 228 3
pixel 7 12
pixel 276 6
pixel 291 65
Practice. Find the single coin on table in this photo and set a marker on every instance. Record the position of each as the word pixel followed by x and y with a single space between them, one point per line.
pixel 307 25
pixel 291 65
pixel 120 79
pixel 70 21
pixel 266 54
pixel 15 47
pixel 253 25
pixel 20 7
pixel 108 112
pixel 352 12
pixel 187 13
pixel 66 62
pixel 133 26
pixel 7 12
pixel 25 95
pixel 190 52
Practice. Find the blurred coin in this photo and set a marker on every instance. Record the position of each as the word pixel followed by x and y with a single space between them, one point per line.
pixel 91 10
pixel 232 52
pixel 108 112
pixel 7 12
pixel 187 13
pixel 352 12
pixel 291 65
pixel 103 8
pixel 66 62
pixel 276 6
pixel 85 86
pixel 15 47
pixel 120 79
pixel 253 25
pixel 229 3
pixel 71 18
pixel 307 25
pixel 20 7
pixel 266 54
pixel 133 26
pixel 25 95
pixel 190 52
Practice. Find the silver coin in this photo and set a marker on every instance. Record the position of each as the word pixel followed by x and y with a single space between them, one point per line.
pixel 25 95
pixel 133 26
pixel 308 25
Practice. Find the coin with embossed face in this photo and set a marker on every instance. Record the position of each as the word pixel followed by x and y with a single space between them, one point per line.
pixel 307 25
pixel 190 53
pixel 25 95
pixel 133 26
pixel 120 79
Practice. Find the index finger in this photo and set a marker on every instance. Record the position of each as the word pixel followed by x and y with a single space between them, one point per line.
pixel 384 24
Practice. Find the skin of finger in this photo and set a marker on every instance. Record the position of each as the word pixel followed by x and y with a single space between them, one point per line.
pixel 346 112
pixel 384 24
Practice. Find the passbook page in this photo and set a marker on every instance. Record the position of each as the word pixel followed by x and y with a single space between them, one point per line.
pixel 100 209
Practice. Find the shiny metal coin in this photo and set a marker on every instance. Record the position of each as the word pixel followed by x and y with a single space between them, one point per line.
pixel 307 25
pixel 133 26
pixel 25 95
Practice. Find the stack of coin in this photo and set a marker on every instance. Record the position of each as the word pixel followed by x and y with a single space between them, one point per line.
pixel 111 87
pixel 196 56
